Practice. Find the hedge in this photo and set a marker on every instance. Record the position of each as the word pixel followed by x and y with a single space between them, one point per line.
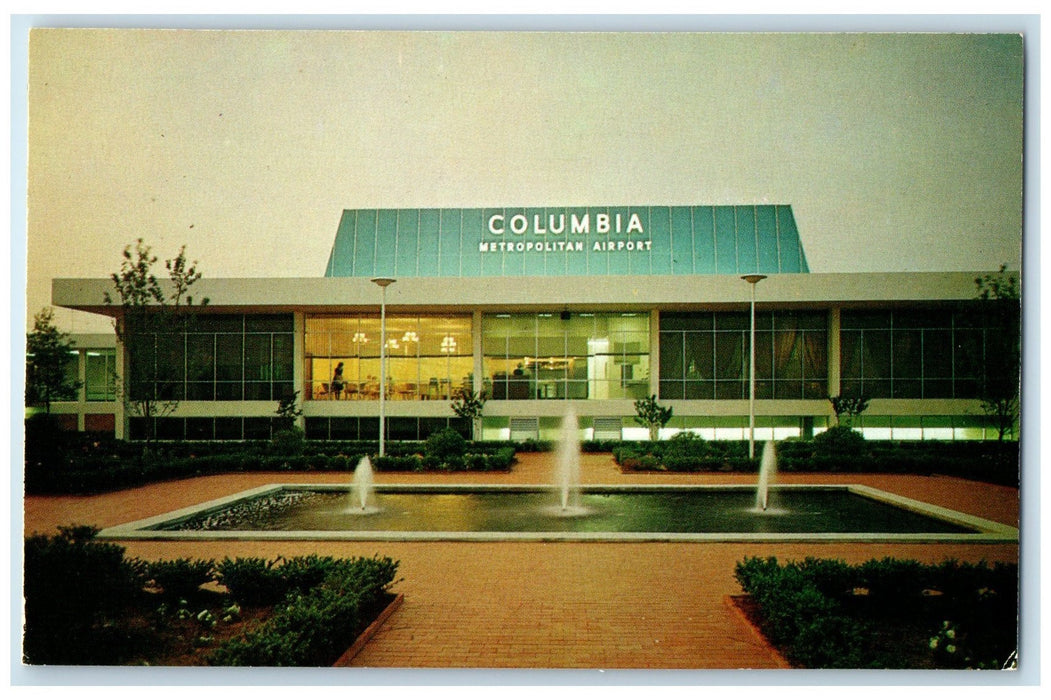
pixel 118 465
pixel 993 462
pixel 886 613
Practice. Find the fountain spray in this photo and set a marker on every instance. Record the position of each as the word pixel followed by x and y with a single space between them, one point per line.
pixel 767 474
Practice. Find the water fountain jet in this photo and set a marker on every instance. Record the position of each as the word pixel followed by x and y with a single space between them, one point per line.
pixel 362 490
pixel 567 467
pixel 767 475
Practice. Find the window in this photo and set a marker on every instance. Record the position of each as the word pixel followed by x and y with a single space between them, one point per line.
pixel 914 353
pixel 100 375
pixel 214 357
pixel 428 357
pixel 566 356
pixel 706 355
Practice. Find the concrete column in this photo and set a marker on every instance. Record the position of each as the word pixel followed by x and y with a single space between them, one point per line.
pixel 476 350
pixel 655 352
pixel 833 351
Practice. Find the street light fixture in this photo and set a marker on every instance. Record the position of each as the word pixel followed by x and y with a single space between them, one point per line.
pixel 752 280
pixel 383 283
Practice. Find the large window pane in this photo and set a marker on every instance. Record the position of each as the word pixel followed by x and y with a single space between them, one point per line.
pixel 228 357
pixel 908 353
pixel 876 354
pixel 699 356
pixel 937 354
pixel 671 355
pixel 283 360
pixel 257 357
pixel 730 355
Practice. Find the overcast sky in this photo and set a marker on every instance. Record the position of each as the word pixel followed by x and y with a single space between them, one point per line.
pixel 897 152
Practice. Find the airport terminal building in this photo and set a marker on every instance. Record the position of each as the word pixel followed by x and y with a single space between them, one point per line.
pixel 540 308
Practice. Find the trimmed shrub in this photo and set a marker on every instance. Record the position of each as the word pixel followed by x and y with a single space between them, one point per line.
pixel 290 441
pixel 831 641
pixel 314 627
pixel 252 580
pixel 303 573
pixel 46 445
pixel 684 452
pixel 896 583
pixel 74 589
pixel 886 613
pixel 180 578
pixel 410 463
pixel 255 581
pixel 839 441
pixel 445 445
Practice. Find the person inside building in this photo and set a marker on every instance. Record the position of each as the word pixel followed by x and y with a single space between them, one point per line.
pixel 337 381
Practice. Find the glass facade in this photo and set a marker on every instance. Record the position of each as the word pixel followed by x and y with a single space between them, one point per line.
pixel 566 356
pixel 214 357
pixel 706 355
pixel 428 357
pixel 948 352
pixel 941 353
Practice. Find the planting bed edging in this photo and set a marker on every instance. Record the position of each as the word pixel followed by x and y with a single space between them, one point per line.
pixel 734 603
pixel 369 632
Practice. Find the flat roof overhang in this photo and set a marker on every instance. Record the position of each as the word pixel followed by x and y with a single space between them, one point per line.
pixel 621 293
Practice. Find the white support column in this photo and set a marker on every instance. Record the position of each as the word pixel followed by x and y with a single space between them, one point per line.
pixel 476 351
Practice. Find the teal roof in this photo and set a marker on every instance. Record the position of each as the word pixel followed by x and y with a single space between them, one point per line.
pixel 557 241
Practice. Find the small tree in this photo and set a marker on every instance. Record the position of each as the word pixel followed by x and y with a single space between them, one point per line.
pixel 652 415
pixel 47 358
pixel 998 297
pixel 469 405
pixel 288 411
pixel 152 324
pixel 288 438
pixel 849 406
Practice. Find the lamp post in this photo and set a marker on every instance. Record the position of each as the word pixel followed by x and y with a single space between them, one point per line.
pixel 383 283
pixel 752 280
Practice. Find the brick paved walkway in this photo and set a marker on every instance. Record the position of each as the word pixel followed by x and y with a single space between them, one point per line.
pixel 556 604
